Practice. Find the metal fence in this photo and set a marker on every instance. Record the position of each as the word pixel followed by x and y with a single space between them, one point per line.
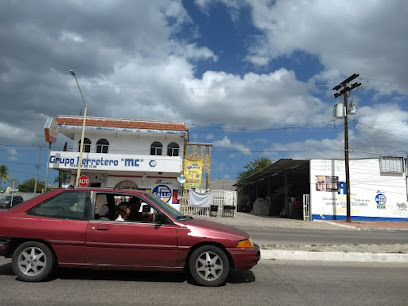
pixel 306 207
pixel 224 204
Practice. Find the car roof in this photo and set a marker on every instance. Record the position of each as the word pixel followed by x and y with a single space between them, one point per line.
pixel 98 189
pixel 43 197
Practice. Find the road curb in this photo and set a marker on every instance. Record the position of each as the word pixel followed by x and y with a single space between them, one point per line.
pixel 333 256
pixel 355 227
pixel 338 224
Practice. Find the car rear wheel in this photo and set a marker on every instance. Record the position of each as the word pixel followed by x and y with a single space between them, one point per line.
pixel 33 261
pixel 209 266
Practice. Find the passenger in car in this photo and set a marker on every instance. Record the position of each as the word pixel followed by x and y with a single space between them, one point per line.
pixel 134 205
pixel 122 212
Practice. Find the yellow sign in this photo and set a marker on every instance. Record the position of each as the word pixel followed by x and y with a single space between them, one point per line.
pixel 192 171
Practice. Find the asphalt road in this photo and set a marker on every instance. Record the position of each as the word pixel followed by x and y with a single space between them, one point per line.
pixel 274 236
pixel 268 283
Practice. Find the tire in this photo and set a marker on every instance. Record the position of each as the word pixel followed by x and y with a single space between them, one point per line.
pixel 209 266
pixel 33 261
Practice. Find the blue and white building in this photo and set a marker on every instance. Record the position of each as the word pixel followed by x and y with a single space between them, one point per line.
pixel 121 153
pixel 378 189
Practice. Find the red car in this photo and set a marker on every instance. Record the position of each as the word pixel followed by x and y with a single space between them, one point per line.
pixel 98 228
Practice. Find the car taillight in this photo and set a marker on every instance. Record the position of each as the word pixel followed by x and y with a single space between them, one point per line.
pixel 3 244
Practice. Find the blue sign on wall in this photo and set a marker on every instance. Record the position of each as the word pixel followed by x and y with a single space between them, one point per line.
pixel 163 192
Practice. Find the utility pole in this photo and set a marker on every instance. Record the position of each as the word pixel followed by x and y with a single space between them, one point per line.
pixel 38 167
pixel 345 89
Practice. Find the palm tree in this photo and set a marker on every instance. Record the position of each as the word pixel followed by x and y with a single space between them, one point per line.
pixel 4 174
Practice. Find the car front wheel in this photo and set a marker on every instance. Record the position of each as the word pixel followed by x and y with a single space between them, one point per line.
pixel 209 266
pixel 33 261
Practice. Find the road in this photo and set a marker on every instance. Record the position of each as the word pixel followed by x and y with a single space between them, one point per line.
pixel 281 236
pixel 268 283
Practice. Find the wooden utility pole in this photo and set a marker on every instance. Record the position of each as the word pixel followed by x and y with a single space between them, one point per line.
pixel 38 167
pixel 344 90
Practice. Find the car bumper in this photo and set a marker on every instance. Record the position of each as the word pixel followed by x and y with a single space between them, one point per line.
pixel 4 243
pixel 245 258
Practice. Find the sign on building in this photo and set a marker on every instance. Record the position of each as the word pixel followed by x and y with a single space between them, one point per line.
pixel 193 171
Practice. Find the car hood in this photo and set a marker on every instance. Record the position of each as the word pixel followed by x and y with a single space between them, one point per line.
pixel 209 228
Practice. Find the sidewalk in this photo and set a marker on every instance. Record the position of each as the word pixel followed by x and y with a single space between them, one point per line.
pixel 372 225
pixel 323 252
pixel 249 220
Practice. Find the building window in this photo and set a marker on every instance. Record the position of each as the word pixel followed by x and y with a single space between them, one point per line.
pixel 173 149
pixel 389 164
pixel 102 146
pixel 156 148
pixel 87 145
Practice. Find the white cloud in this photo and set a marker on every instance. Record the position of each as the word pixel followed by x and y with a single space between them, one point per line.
pixel 14 133
pixel 310 148
pixel 365 37
pixel 209 137
pixel 379 130
pixel 254 100
pixel 383 129
pixel 12 154
pixel 233 6
pixel 226 143
pixel 70 36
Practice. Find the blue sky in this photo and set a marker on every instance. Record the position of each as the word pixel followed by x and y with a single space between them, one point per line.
pixel 254 78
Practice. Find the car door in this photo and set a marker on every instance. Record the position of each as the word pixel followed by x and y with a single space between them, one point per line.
pixel 140 244
pixel 61 221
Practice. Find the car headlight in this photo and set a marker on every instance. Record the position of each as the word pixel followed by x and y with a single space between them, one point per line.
pixel 247 243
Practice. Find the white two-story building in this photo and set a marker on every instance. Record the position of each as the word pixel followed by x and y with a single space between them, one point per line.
pixel 121 153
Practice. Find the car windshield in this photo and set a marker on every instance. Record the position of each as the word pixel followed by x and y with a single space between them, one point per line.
pixel 167 208
pixel 6 198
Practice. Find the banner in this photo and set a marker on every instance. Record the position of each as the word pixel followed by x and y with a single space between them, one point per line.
pixel 117 162
pixel 196 199
pixel 192 172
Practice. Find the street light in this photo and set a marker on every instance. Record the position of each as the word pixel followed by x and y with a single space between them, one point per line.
pixel 83 130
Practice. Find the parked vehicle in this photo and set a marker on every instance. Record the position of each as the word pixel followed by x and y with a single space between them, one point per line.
pixel 10 201
pixel 77 228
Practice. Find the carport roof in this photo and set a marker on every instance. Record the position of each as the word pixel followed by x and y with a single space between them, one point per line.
pixel 282 165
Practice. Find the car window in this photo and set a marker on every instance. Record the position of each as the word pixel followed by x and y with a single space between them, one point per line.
pixel 17 200
pixel 66 205
pixel 167 207
pixel 106 208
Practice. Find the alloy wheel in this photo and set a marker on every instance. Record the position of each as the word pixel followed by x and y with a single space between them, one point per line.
pixel 32 261
pixel 209 266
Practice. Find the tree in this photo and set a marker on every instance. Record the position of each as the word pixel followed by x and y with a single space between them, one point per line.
pixel 29 184
pixel 62 178
pixel 253 167
pixel 4 174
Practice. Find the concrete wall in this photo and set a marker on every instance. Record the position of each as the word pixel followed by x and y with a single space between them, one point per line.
pixel 375 195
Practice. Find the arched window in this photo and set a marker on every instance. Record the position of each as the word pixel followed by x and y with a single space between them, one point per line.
pixel 156 148
pixel 87 145
pixel 173 149
pixel 102 146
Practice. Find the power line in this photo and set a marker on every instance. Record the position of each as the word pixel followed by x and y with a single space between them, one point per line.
pixel 359 123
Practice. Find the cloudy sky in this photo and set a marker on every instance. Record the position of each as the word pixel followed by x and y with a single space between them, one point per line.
pixel 254 78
